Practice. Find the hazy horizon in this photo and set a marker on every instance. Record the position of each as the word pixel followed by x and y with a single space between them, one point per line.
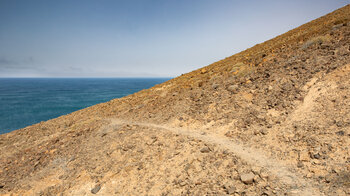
pixel 131 39
pixel 75 77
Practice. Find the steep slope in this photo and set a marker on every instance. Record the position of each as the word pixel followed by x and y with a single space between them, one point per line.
pixel 273 119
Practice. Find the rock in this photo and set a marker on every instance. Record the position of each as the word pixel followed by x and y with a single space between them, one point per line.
pixel 152 141
pixel 329 178
pixel 205 149
pixel 1 186
pixel 264 175
pixel 256 179
pixel 294 192
pixel 96 189
pixel 335 27
pixel 231 190
pixel 233 88
pixel 128 147
pixel 300 164
pixel 340 133
pixel 215 86
pixel 140 106
pixel 247 178
pixel 304 156
pixel 200 84
pixel 342 51
pixel 266 193
pixel 316 156
pixel 256 170
pixel 263 131
pixel 182 183
pixel 256 132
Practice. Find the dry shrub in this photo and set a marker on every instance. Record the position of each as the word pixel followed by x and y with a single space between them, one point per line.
pixel 316 40
pixel 241 69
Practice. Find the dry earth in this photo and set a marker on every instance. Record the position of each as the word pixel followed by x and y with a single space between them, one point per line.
pixel 271 120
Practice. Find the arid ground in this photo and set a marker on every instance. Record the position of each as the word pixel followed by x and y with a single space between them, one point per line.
pixel 271 120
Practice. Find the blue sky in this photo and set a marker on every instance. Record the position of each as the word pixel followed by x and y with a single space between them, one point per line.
pixel 139 38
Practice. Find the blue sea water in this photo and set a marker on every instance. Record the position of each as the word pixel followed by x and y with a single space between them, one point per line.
pixel 26 101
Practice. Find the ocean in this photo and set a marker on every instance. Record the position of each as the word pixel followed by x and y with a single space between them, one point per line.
pixel 26 101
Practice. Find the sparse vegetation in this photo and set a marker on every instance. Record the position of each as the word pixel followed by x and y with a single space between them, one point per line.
pixel 271 120
pixel 241 69
pixel 316 40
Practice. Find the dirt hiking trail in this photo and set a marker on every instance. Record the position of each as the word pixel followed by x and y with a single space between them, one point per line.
pixel 252 156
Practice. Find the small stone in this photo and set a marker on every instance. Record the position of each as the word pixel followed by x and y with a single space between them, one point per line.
pixel 233 88
pixel 340 133
pixel 263 131
pixel 329 178
pixel 304 156
pixel 231 190
pixel 247 178
pixel 264 175
pixel 300 164
pixel 316 162
pixel 295 192
pixel 96 189
pixel 256 170
pixel 316 156
pixel 215 86
pixel 256 179
pixel 152 141
pixel 227 152
pixel 139 106
pixel 182 183
pixel 335 27
pixel 205 149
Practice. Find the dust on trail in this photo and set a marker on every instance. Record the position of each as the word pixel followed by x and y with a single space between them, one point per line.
pixel 252 156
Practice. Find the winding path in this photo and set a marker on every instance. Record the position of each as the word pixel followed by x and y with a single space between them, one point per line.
pixel 252 156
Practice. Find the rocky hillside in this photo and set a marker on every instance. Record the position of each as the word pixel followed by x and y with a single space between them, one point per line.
pixel 271 120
